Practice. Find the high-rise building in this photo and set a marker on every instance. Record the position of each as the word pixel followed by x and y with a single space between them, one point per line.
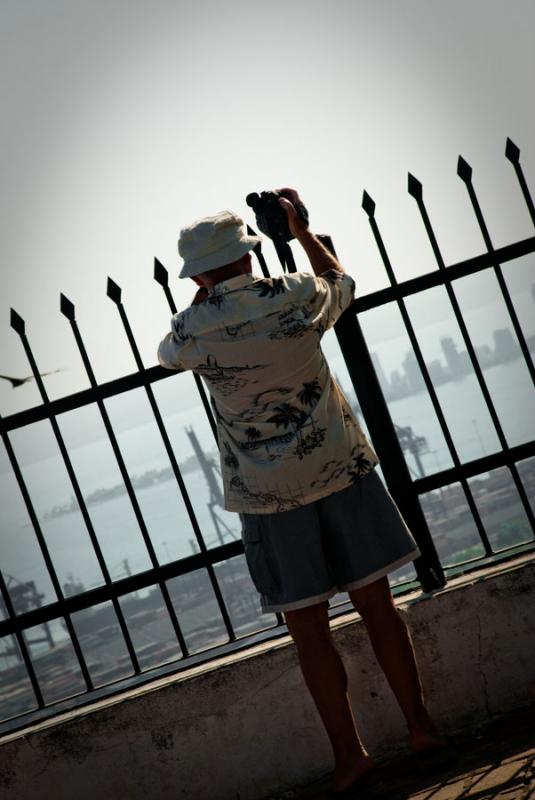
pixel 398 382
pixel 437 372
pixel 484 354
pixel 452 356
pixel 412 371
pixel 381 375
pixel 505 345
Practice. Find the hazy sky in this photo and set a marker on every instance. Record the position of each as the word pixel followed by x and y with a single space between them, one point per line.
pixel 123 121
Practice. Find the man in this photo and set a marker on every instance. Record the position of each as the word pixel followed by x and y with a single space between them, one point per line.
pixel 297 466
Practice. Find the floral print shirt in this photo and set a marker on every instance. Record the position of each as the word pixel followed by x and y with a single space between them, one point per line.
pixel 287 434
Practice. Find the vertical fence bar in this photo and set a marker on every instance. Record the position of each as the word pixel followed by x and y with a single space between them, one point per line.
pixel 18 324
pixel 512 153
pixel 68 310
pixel 369 207
pixel 40 539
pixel 377 414
pixel 114 293
pixel 464 171
pixel 257 250
pixel 33 517
pixel 4 591
pixel 284 254
pixel 148 545
pixel 415 189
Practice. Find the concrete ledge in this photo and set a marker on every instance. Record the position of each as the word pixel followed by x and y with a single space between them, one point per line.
pixel 245 726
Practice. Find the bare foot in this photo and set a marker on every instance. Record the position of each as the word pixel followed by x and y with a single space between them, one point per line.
pixel 345 774
pixel 426 737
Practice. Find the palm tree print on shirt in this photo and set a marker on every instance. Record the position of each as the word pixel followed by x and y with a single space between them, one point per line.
pixel 310 393
pixel 289 416
pixel 230 459
pixel 358 466
pixel 252 433
pixel 309 396
pixel 268 287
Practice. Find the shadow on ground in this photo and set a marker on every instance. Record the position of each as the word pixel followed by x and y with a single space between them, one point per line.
pixel 495 761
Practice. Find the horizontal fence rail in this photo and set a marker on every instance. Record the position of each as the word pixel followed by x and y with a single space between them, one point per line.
pixel 119 600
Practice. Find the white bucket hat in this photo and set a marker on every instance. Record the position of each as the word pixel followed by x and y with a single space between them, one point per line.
pixel 212 242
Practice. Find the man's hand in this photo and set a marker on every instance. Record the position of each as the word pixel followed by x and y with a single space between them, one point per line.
pixel 288 201
pixel 320 258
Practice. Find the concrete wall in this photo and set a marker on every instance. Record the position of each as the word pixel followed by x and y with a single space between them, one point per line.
pixel 246 726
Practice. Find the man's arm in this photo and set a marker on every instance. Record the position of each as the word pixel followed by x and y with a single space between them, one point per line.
pixel 320 258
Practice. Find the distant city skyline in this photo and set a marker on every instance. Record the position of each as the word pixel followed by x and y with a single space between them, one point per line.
pixel 407 381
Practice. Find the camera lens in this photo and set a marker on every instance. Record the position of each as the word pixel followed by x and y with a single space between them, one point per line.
pixel 252 199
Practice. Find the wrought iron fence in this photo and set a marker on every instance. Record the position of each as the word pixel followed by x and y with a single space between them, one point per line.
pixel 47 650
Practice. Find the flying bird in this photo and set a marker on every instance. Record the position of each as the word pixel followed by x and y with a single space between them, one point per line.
pixel 19 381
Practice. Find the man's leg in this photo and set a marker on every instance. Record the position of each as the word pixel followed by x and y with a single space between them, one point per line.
pixel 326 679
pixel 393 648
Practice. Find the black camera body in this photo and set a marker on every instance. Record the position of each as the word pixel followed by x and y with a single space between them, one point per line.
pixel 271 217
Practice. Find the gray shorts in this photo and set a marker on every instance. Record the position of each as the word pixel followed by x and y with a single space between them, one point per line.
pixel 341 542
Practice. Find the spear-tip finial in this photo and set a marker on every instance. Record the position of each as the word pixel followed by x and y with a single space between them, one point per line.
pixel 414 187
pixel 66 307
pixel 113 291
pixel 464 170
pixel 368 204
pixel 512 152
pixel 161 275
pixel 17 323
pixel 258 246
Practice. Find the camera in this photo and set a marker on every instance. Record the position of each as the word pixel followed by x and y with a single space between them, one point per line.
pixel 271 217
